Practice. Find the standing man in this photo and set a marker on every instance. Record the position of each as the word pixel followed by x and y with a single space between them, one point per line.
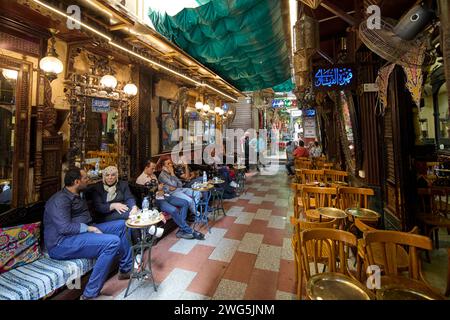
pixel 290 157
pixel 70 234
pixel 258 145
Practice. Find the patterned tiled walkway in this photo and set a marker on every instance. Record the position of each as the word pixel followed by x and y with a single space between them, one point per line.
pixel 247 255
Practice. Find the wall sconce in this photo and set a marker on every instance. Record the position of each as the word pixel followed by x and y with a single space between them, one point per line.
pixel 109 82
pixel 130 89
pixel 10 75
pixel 199 105
pixel 424 128
pixel 50 64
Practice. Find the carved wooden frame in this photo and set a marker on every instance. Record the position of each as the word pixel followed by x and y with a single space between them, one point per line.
pixel 22 128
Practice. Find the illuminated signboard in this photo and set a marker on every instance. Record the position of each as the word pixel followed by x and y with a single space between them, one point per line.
pixel 334 78
pixel 101 105
pixel 310 113
pixel 281 103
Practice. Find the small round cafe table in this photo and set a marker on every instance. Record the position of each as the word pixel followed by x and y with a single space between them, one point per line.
pixel 403 288
pixel 217 197
pixel 333 213
pixel 205 189
pixel 336 286
pixel 145 242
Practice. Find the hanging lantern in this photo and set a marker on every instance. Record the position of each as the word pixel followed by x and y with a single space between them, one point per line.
pixel 109 82
pixel 130 89
pixel 217 110
pixel 206 107
pixel 307 36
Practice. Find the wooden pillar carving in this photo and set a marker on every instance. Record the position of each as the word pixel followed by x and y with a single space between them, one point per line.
pixel 444 11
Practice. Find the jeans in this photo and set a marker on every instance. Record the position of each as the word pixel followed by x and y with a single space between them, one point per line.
pixel 179 214
pixel 289 166
pixel 103 247
pixel 189 195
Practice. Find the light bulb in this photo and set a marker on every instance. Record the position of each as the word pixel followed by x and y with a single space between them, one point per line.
pixel 51 64
pixel 199 105
pixel 206 107
pixel 217 110
pixel 108 81
pixel 130 89
pixel 10 74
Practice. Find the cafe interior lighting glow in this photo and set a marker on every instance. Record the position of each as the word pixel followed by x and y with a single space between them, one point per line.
pixel 152 62
pixel 199 105
pixel 108 81
pixel 10 74
pixel 130 89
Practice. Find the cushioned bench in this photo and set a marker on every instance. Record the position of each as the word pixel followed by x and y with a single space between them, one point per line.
pixel 42 277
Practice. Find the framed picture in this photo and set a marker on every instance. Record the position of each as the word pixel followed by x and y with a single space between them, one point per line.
pixel 168 125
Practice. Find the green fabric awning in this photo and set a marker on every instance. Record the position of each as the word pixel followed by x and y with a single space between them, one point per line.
pixel 286 86
pixel 241 40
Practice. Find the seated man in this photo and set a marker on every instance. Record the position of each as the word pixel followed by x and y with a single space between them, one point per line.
pixel 176 207
pixel 301 151
pixel 69 234
pixel 174 186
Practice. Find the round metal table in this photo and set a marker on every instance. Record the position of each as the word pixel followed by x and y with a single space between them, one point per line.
pixel 403 288
pixel 203 204
pixel 146 242
pixel 362 213
pixel 333 213
pixel 336 286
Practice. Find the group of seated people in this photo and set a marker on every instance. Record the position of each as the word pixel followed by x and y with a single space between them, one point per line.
pixel 71 232
pixel 294 151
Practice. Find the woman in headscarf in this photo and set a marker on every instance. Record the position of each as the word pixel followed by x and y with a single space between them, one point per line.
pixel 113 198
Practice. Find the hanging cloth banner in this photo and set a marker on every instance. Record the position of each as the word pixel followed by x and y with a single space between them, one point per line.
pixel 414 74
pixel 383 82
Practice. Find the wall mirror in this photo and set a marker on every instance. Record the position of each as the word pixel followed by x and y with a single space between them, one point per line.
pixel 102 139
pixel 8 82
pixel 348 130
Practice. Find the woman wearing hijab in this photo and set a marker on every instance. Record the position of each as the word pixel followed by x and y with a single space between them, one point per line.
pixel 113 198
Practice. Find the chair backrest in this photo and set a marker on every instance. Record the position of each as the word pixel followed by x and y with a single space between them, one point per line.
pixel 307 176
pixel 350 197
pixel 297 193
pixel 323 197
pixel 335 175
pixel 390 241
pixel 440 200
pixel 302 163
pixel 336 244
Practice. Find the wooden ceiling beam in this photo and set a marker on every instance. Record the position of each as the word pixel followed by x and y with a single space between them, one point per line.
pixel 338 12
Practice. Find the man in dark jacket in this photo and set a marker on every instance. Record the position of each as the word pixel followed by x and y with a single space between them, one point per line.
pixel 70 234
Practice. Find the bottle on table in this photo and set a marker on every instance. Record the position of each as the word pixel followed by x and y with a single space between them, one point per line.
pixel 205 177
pixel 145 204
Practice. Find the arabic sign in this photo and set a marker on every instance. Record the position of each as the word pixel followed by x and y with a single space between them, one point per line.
pixel 334 78
pixel 310 113
pixel 101 105
pixel 309 126
pixel 281 103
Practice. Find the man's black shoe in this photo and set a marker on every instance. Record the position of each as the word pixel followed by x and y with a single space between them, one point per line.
pixel 198 235
pixel 185 235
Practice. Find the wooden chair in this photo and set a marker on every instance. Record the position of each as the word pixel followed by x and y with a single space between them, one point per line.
pixel 335 175
pixel 390 242
pixel 335 243
pixel 317 197
pixel 299 227
pixel 434 210
pixel 300 163
pixel 297 198
pixel 325 165
pixel 352 197
pixel 402 255
pixel 306 176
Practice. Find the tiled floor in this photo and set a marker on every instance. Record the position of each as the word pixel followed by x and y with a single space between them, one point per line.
pixel 247 255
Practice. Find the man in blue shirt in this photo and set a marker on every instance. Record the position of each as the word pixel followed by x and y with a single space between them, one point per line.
pixel 70 234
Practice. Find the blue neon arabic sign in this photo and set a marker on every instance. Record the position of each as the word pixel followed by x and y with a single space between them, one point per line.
pixel 331 78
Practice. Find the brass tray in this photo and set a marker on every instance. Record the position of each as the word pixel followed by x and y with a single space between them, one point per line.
pixel 332 213
pixel 139 223
pixel 402 288
pixel 362 213
pixel 340 183
pixel 220 181
pixel 336 286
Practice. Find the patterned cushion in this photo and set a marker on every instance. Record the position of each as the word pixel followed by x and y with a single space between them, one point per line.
pixel 19 245
pixel 40 278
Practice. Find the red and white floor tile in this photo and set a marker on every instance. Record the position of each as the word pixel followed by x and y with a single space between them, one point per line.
pixel 247 255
